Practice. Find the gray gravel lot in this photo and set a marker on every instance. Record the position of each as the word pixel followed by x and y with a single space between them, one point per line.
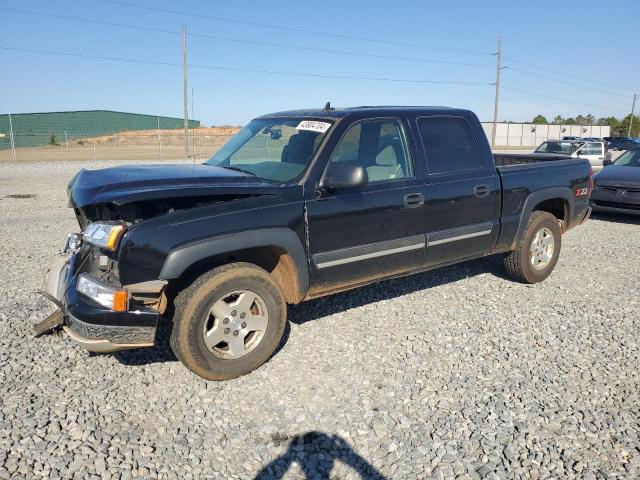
pixel 457 373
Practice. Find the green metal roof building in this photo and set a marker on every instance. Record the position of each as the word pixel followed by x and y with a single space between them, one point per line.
pixel 35 129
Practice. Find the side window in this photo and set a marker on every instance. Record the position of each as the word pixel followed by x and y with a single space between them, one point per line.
pixel 377 145
pixel 592 149
pixel 449 144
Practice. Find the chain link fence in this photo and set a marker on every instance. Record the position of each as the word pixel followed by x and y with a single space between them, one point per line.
pixel 128 145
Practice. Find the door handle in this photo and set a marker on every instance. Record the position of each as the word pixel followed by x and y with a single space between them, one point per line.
pixel 413 200
pixel 481 191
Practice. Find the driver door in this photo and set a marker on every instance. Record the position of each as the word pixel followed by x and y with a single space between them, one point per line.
pixel 375 230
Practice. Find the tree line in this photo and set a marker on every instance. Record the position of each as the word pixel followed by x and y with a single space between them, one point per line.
pixel 619 127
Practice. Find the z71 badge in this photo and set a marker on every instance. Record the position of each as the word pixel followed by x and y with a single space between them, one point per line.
pixel 581 192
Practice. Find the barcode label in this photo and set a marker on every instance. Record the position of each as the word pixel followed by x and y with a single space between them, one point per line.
pixel 314 126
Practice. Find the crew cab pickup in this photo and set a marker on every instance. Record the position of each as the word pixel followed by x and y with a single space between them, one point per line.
pixel 297 205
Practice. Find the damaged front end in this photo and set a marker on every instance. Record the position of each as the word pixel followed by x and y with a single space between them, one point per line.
pixel 105 285
pixel 93 307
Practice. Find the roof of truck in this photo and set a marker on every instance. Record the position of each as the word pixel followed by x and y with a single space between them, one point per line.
pixel 368 110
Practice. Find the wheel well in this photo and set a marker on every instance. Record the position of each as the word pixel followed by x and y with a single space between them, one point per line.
pixel 558 207
pixel 274 260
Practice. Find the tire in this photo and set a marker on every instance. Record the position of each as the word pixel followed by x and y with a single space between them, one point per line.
pixel 210 309
pixel 519 263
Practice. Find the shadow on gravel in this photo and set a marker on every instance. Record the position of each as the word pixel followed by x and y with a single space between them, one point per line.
pixel 616 218
pixel 388 289
pixel 316 454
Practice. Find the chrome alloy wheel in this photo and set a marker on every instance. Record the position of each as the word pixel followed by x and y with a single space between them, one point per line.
pixel 541 250
pixel 236 324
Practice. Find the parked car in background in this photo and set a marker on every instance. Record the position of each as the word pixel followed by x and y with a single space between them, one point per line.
pixel 621 143
pixel 297 205
pixel 571 138
pixel 617 186
pixel 595 152
pixel 558 147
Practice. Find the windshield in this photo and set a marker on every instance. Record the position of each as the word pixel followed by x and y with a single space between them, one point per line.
pixel 630 158
pixel 274 149
pixel 558 147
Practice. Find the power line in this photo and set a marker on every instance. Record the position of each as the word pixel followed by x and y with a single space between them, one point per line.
pixel 592 89
pixel 250 42
pixel 314 49
pixel 562 99
pixel 587 80
pixel 245 69
pixel 292 29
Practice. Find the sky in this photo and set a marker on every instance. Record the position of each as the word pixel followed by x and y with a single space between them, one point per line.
pixel 410 43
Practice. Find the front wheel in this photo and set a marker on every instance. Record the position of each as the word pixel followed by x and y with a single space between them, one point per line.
pixel 536 256
pixel 228 322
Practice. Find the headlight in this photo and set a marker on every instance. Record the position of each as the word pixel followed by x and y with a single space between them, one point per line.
pixel 105 295
pixel 105 235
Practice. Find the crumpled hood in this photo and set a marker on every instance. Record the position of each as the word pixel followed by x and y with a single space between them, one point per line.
pixel 125 184
pixel 618 176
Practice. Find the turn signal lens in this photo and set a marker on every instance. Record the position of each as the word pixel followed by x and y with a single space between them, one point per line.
pixel 114 236
pixel 120 301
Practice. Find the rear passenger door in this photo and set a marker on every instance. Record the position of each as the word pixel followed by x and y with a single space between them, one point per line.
pixel 462 191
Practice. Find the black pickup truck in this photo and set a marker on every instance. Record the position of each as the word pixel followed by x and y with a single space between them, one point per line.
pixel 297 205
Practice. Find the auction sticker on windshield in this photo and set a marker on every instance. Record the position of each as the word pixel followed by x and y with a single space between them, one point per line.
pixel 314 126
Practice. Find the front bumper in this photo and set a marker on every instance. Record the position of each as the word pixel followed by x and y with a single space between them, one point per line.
pixel 94 327
pixel 613 209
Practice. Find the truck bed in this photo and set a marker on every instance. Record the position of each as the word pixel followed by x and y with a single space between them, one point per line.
pixel 503 159
pixel 525 182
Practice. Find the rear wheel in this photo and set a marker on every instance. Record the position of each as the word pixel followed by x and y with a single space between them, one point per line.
pixel 228 322
pixel 536 256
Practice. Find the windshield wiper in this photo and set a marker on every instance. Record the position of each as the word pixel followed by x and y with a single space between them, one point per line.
pixel 239 169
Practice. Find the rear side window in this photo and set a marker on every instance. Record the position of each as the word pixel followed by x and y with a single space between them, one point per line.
pixel 449 144
pixel 592 149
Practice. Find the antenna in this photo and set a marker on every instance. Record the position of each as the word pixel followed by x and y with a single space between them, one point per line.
pixel 328 107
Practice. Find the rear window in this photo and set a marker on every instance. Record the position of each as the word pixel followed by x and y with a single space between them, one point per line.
pixel 566 148
pixel 449 145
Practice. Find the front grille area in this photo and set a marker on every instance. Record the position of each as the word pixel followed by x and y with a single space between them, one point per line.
pixel 608 188
pixel 630 206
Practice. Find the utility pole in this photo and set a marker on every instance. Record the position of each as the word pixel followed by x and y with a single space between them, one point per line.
pixel 193 135
pixel 185 92
pixel 633 110
pixel 495 108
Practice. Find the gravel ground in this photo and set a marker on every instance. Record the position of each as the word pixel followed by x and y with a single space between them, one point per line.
pixel 457 373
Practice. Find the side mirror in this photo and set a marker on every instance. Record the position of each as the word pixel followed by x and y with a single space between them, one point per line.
pixel 340 176
pixel 606 162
